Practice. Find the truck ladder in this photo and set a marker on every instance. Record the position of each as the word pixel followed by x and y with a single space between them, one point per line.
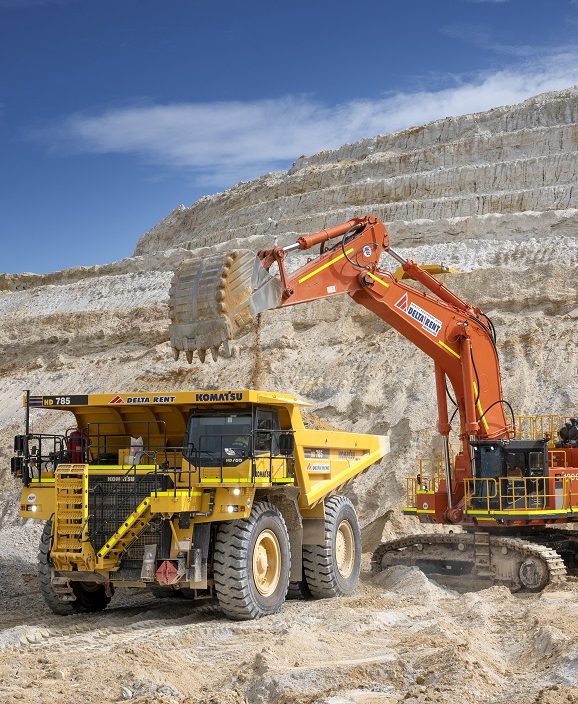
pixel 71 515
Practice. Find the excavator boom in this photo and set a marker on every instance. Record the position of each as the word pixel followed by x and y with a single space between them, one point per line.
pixel 213 299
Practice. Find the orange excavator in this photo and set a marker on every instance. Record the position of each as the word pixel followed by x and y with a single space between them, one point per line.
pixel 501 495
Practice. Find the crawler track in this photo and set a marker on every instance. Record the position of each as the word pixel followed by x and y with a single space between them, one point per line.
pixel 468 559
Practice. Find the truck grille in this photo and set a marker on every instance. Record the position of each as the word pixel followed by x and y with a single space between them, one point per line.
pixel 111 499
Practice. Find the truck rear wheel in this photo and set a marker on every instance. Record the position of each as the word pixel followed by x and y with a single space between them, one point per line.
pixel 82 597
pixel 332 568
pixel 251 564
pixel 298 590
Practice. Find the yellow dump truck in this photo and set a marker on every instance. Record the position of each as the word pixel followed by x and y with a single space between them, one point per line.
pixel 221 493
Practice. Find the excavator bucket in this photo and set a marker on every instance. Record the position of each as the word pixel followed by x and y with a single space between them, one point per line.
pixel 212 299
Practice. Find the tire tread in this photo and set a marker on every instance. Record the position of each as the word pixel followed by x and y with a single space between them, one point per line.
pixel 230 564
pixel 319 567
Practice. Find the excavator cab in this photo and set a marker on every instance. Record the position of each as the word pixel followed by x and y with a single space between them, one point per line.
pixel 509 473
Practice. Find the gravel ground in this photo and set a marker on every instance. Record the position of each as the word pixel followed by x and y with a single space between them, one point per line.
pixel 398 638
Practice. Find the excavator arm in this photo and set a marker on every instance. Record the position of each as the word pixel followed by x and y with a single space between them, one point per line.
pixel 212 301
pixel 215 298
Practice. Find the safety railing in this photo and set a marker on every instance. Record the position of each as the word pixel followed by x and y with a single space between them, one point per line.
pixel 271 461
pixel 109 442
pixel 41 455
pixel 557 458
pixel 221 458
pixel 536 427
pixel 411 492
pixel 266 456
pixel 523 494
pixel 168 468
pixel 430 474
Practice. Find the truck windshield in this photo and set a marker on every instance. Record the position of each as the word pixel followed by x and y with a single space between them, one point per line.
pixel 219 436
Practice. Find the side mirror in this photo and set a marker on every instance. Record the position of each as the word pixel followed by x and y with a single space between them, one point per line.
pixel 17 466
pixel 19 444
pixel 286 443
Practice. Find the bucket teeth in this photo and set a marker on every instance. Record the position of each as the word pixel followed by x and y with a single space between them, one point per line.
pixel 176 353
pixel 213 299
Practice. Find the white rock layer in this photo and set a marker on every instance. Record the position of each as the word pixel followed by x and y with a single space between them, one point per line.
pixel 518 161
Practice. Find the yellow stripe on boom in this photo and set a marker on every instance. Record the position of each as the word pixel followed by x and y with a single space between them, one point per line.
pixel 447 348
pixel 479 407
pixel 324 266
pixel 376 278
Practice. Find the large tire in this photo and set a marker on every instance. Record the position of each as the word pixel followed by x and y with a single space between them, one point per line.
pixel 298 590
pixel 251 564
pixel 89 597
pixel 332 568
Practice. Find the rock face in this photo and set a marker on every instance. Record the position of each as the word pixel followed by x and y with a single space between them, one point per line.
pixel 453 176
pixel 493 194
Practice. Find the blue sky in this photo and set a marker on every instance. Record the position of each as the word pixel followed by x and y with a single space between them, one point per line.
pixel 112 112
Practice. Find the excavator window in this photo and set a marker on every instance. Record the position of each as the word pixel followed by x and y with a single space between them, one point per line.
pixel 515 464
pixel 536 463
pixel 490 463
pixel 504 471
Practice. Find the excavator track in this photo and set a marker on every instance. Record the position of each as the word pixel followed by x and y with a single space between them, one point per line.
pixel 475 560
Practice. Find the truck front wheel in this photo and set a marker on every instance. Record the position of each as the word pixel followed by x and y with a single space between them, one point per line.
pixel 251 564
pixel 79 597
pixel 332 568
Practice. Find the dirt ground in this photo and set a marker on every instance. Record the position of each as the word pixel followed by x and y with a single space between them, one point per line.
pixel 398 638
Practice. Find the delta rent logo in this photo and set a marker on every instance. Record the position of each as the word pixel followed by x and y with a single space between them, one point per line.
pixel 144 399
pixel 421 316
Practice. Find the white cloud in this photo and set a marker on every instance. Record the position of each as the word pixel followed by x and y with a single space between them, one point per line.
pixel 223 142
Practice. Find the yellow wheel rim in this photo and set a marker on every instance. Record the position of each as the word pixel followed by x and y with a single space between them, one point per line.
pixel 345 549
pixel 266 563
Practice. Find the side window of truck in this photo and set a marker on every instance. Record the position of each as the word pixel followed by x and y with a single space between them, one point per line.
pixel 265 439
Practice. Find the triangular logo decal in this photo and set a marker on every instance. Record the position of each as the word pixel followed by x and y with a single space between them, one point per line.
pixel 403 302
pixel 117 399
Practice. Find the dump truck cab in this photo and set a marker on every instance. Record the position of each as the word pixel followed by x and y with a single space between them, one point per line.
pixel 143 490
